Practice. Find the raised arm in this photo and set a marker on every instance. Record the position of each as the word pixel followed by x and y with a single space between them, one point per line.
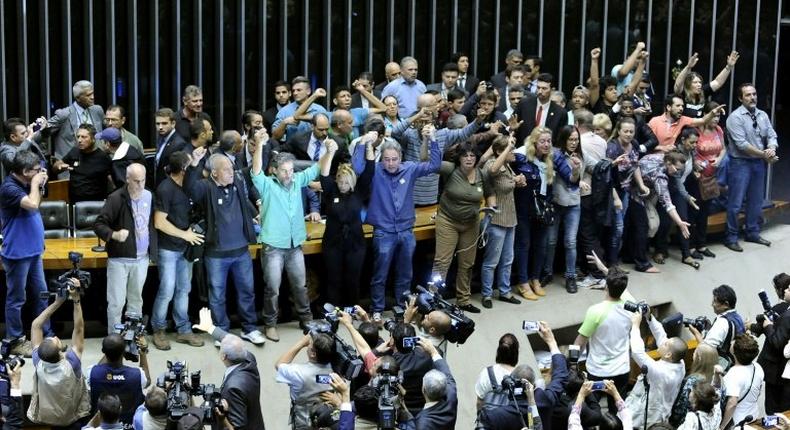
pixel 326 161
pixel 376 105
pixel 502 158
pixel 36 330
pixel 260 139
pixel 640 69
pixel 721 78
pixel 630 62
pixel 594 87
pixel 301 111
pixel 680 80
pixel 359 342
pixel 78 334
pixel 33 199
pixel 288 356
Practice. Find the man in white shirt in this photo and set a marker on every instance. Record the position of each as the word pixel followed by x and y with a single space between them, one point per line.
pixel 726 326
pixel 743 382
pixel 664 376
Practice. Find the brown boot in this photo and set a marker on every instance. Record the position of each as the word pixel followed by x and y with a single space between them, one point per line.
pixel 526 291
pixel 535 284
pixel 160 341
pixel 190 339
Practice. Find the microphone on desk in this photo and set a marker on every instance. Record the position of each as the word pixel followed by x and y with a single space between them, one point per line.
pixel 643 370
pixel 99 247
pixel 743 422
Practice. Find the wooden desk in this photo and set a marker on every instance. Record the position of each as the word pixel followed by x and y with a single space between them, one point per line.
pixel 56 254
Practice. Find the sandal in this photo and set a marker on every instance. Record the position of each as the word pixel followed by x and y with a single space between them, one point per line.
pixel 691 262
pixel 648 269
pixel 659 258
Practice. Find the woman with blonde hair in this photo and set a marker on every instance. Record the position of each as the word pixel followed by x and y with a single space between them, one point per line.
pixel 534 210
pixel 602 126
pixel 703 369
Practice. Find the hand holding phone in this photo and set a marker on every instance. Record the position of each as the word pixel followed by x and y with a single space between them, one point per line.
pixel 323 379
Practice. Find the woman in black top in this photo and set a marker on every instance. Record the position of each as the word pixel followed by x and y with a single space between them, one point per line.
pixel 689 85
pixel 344 242
pixel 89 168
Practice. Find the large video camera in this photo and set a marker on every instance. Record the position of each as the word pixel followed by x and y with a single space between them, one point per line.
pixel 429 300
pixel 388 393
pixel 61 286
pixel 8 360
pixel 180 389
pixel 346 362
pixel 131 330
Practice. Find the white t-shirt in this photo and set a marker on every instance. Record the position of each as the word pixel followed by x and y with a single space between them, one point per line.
pixel 738 382
pixel 483 385
pixel 607 326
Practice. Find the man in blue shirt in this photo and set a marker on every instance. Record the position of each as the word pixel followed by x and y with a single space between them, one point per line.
pixel 282 227
pixel 295 116
pixel 406 88
pixel 752 145
pixel 391 213
pixel 23 244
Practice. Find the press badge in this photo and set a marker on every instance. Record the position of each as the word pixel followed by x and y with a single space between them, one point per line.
pixel 337 200
pixel 76 164
pixel 402 181
pixel 479 190
pixel 219 201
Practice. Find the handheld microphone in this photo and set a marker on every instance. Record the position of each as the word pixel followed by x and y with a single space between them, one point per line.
pixel 743 422
pixel 643 370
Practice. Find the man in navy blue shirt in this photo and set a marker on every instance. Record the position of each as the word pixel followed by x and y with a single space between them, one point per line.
pixel 23 244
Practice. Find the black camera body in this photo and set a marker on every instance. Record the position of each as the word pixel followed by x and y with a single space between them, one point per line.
pixel 514 386
pixel 461 326
pixel 397 318
pixel 768 310
pixel 212 398
pixel 132 329
pixel 701 323
pixel 178 388
pixel 61 286
pixel 8 360
pixel 347 362
pixel 388 394
pixel 634 307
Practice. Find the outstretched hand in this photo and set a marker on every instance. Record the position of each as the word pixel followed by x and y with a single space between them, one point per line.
pixel 205 324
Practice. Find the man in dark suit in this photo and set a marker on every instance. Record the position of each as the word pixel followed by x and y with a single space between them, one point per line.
pixel 193 108
pixel 772 358
pixel 391 72
pixel 449 81
pixel 514 57
pixel 366 80
pixel 514 77
pixel 540 111
pixel 440 392
pixel 64 124
pixel 17 138
pixel 309 146
pixel 241 387
pixel 465 80
pixel 282 96
pixel 167 142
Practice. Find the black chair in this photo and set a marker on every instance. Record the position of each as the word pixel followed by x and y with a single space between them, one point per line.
pixel 55 215
pixel 85 214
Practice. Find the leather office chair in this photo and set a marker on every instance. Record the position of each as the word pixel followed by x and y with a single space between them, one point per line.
pixel 85 214
pixel 55 215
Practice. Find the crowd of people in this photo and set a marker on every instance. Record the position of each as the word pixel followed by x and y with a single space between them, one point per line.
pixel 509 164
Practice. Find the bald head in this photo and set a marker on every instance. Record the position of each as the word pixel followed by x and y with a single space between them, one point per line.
pixel 135 180
pixel 342 121
pixel 426 100
pixel 392 71
pixel 677 349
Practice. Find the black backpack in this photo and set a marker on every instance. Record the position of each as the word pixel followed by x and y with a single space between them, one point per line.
pixel 498 396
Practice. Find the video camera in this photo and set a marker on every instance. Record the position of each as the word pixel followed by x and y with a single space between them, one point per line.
pixel 641 307
pixel 388 394
pixel 768 313
pixel 180 390
pixel 8 360
pixel 397 318
pixel 131 330
pixel 61 286
pixel 429 300
pixel 346 362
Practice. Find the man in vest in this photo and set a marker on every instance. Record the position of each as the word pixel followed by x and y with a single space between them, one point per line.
pixel 301 377
pixel 60 396
pixel 111 376
pixel 726 326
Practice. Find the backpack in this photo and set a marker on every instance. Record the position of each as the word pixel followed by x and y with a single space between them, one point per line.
pixel 498 396
pixel 735 327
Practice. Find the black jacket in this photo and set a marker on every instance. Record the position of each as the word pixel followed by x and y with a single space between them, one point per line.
pixel 175 143
pixel 772 358
pixel 242 390
pixel 602 184
pixel 527 110
pixel 116 214
pixel 414 365
pixel 443 414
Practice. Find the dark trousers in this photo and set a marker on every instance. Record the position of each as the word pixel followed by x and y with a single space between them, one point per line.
pixel 529 249
pixel 777 396
pixel 637 226
pixel 343 270
pixel 661 240
pixel 620 382
pixel 589 235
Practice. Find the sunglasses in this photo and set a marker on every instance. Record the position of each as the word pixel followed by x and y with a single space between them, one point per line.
pixel 754 120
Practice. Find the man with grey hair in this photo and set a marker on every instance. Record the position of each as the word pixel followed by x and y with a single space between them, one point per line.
pixel 126 225
pixel 193 108
pixel 64 124
pixel 406 88
pixel 241 384
pixel 440 392
pixel 514 58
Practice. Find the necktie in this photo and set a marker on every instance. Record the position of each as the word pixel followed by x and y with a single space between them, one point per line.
pixel 538 116
pixel 462 82
pixel 86 119
pixel 317 150
pixel 160 147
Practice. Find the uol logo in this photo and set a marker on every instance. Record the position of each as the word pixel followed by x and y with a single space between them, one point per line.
pixel 111 377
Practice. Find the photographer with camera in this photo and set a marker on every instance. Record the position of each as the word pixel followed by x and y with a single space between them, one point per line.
pixel 306 380
pixel 516 411
pixel 434 325
pixel 194 419
pixel 324 415
pixel 22 246
pixel 414 363
pixel 607 421
pixel 491 377
pixel 12 405
pixel 112 376
pixel 440 393
pixel 659 384
pixel 60 393
pixel 241 386
pixel 726 326
pixel 153 413
pixel 772 357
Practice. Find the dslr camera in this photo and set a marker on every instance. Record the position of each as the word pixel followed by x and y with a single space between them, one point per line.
pixel 212 398
pixel 768 313
pixel 388 393
pixel 132 329
pixel 429 300
pixel 390 323
pixel 514 386
pixel 8 360
pixel 701 323
pixel 347 361
pixel 641 307
pixel 61 286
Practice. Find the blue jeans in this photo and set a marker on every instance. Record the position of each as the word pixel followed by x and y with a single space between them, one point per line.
pixel 19 274
pixel 529 249
pixel 175 283
pixel 273 260
pixel 497 255
pixel 389 247
pixel 241 269
pixel 569 217
pixel 618 222
pixel 745 179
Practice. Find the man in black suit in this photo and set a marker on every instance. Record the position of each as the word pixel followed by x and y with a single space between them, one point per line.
pixel 514 77
pixel 514 57
pixel 309 146
pixel 466 81
pixel 391 72
pixel 440 392
pixel 167 142
pixel 282 95
pixel 449 81
pixel 193 108
pixel 540 111
pixel 241 387
pixel 366 80
pixel 772 359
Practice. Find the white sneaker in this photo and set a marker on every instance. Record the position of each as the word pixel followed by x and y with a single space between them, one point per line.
pixel 217 343
pixel 588 281
pixel 255 336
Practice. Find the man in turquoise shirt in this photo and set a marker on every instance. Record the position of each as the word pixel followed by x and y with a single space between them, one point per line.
pixel 283 230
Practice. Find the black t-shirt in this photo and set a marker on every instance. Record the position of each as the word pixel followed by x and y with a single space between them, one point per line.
pixel 602 107
pixel 695 110
pixel 171 199
pixel 89 177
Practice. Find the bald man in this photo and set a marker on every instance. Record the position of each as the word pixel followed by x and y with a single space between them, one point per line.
pixel 664 376
pixel 391 72
pixel 126 224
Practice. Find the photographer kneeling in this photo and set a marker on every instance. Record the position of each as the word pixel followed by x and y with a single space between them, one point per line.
pixel 434 325
pixel 60 394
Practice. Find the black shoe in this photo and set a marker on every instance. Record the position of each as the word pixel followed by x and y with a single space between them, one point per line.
pixel 470 308
pixel 570 286
pixel 487 303
pixel 510 299
pixel 696 255
pixel 546 279
pixel 708 253
pixel 734 247
pixel 759 240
